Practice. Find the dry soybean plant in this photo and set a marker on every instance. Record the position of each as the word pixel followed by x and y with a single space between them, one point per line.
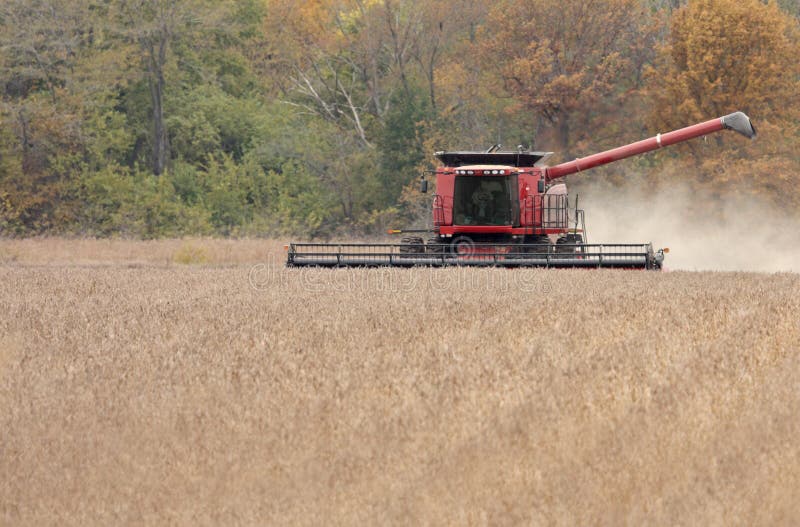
pixel 242 392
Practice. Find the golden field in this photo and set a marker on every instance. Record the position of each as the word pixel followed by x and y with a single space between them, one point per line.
pixel 199 382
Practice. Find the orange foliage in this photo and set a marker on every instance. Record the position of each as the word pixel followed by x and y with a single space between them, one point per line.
pixel 562 60
pixel 728 55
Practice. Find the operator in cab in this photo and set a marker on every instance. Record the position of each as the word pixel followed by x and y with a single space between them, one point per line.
pixel 483 200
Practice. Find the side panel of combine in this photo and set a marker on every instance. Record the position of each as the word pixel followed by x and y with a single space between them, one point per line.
pixel 538 210
pixel 443 202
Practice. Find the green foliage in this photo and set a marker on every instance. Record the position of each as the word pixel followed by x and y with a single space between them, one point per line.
pixel 105 197
pixel 208 119
pixel 790 6
pixel 300 204
pixel 226 197
pixel 116 200
pixel 155 210
pixel 399 143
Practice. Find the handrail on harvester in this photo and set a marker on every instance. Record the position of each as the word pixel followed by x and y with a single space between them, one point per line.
pixel 738 122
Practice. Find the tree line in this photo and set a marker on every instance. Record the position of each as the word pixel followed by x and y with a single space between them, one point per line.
pixel 156 118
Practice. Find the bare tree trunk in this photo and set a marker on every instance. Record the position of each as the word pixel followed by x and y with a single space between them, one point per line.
pixel 156 81
pixel 400 33
pixel 432 84
pixel 564 135
pixel 428 62
pixel 26 145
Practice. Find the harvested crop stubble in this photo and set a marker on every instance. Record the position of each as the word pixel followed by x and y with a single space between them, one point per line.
pixel 200 394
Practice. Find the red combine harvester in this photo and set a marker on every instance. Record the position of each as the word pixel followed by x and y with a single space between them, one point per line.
pixel 505 209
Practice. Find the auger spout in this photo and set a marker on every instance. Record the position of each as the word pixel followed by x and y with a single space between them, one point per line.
pixel 738 122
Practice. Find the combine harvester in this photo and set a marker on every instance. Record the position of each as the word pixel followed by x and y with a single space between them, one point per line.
pixel 499 208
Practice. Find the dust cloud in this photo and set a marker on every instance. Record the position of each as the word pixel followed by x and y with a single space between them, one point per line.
pixel 727 233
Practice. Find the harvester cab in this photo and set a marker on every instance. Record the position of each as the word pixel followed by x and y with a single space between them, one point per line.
pixel 501 208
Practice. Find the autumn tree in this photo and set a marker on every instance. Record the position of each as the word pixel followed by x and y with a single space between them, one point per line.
pixel 728 55
pixel 725 55
pixel 41 40
pixel 41 43
pixel 449 24
pixel 359 66
pixel 341 61
pixel 563 61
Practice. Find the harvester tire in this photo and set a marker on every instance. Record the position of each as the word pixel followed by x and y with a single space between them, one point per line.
pixel 541 240
pixel 461 245
pixel 412 245
pixel 563 244
pixel 434 246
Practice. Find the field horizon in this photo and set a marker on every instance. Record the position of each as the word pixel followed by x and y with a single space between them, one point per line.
pixel 199 381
